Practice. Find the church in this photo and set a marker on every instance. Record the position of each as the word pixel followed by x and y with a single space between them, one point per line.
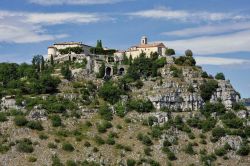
pixel 143 47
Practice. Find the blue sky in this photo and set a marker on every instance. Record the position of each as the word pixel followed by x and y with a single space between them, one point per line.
pixel 218 31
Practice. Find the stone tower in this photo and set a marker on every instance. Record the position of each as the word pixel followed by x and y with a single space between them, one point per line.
pixel 144 40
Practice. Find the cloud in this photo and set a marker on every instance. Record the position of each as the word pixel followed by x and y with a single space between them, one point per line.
pixel 217 61
pixel 184 15
pixel 73 2
pixel 28 27
pixel 209 29
pixel 207 45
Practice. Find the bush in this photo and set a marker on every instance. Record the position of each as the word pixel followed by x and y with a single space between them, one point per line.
pixel 218 132
pixel 99 140
pixel 52 145
pixel 140 105
pixel 3 117
pixel 106 112
pixel 170 51
pixel 232 121
pixel 71 163
pixel 35 125
pixel 220 151
pixel 207 89
pixel 20 120
pixel 102 127
pixel 25 145
pixel 171 156
pixel 43 136
pixel 110 141
pixel 144 139
pixel 56 161
pixel 243 150
pixel 210 108
pixel 110 92
pixel 56 121
pixel 131 162
pixel 189 149
pixel 32 159
pixel 68 147
pixel 220 76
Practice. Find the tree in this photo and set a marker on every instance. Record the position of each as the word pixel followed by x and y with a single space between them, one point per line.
pixel 110 92
pixel 37 62
pixel 42 64
pixel 189 53
pixel 170 51
pixel 101 71
pixel 52 61
pixel 125 59
pixel 220 76
pixel 207 89
pixel 66 72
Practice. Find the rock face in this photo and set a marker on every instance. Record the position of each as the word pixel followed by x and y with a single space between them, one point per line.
pixel 226 94
pixel 8 102
pixel 174 93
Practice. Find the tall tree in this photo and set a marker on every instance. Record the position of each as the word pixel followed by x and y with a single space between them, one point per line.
pixel 52 61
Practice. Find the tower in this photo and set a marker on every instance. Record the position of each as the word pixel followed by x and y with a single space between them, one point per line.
pixel 144 40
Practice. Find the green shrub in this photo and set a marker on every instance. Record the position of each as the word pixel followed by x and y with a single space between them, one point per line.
pixel 106 112
pixel 110 92
pixel 244 150
pixel 103 126
pixel 25 145
pixel 220 151
pixel 20 120
pixel 3 117
pixel 56 120
pixel 140 105
pixel 232 121
pixel 87 144
pixel 218 132
pixel 43 136
pixel 68 147
pixel 71 163
pixel 148 151
pixel 4 148
pixel 144 139
pixel 99 140
pixel 220 76
pixel 56 161
pixel 32 159
pixel 171 156
pixel 52 145
pixel 35 125
pixel 131 162
pixel 156 132
pixel 207 89
pixel 189 149
pixel 210 108
pixel 110 141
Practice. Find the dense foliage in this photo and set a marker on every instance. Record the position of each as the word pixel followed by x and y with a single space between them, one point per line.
pixel 207 89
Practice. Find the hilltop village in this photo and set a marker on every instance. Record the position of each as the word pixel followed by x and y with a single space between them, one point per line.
pixel 94 106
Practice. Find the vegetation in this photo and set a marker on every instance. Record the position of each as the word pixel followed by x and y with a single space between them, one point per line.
pixel 25 145
pixel 207 89
pixel 220 76
pixel 68 50
pixel 68 147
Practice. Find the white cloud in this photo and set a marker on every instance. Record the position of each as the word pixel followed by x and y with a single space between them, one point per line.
pixel 210 29
pixel 233 42
pixel 73 2
pixel 184 15
pixel 25 27
pixel 217 61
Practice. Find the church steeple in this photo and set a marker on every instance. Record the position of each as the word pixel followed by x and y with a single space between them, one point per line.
pixel 144 40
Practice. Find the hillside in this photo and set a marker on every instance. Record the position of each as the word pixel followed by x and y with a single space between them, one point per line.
pixel 161 111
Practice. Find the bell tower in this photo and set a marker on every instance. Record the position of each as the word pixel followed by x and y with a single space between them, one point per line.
pixel 144 40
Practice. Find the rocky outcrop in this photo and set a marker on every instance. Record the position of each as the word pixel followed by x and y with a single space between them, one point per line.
pixel 8 102
pixel 174 93
pixel 226 94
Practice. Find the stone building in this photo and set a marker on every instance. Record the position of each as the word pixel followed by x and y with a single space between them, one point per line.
pixel 54 51
pixel 143 47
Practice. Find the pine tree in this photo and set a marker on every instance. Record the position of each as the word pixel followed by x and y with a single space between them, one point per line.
pixel 52 61
pixel 42 64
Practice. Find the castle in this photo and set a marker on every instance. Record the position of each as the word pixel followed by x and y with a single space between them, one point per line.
pixel 77 51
